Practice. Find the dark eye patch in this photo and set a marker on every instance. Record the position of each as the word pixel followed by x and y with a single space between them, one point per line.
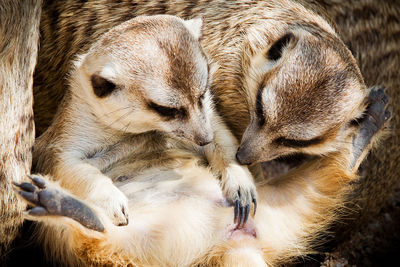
pixel 101 86
pixel 275 52
pixel 298 143
pixel 168 112
pixel 259 106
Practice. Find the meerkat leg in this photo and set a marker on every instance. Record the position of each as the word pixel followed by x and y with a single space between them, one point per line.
pixel 49 201
pixel 236 180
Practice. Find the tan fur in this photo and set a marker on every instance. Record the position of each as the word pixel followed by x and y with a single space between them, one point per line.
pixel 19 26
pixel 319 186
pixel 336 89
pixel 71 53
pixel 369 42
pixel 95 140
pixel 168 219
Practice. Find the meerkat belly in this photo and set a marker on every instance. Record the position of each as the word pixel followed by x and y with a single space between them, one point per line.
pixel 163 175
pixel 164 178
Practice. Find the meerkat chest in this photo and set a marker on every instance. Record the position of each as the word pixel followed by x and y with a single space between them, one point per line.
pixel 131 156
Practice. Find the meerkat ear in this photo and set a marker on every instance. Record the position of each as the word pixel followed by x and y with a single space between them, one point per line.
pixel 194 26
pixel 101 86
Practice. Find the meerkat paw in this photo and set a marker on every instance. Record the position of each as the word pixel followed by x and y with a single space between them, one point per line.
pixel 112 201
pixel 372 122
pixel 240 191
pixel 46 200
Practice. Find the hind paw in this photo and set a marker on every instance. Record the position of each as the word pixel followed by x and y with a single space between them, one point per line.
pixel 46 200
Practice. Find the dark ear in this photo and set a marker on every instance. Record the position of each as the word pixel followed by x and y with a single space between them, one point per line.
pixel 275 52
pixel 101 86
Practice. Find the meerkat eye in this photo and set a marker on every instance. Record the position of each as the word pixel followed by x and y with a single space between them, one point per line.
pixel 298 143
pixel 101 86
pixel 168 112
pixel 275 52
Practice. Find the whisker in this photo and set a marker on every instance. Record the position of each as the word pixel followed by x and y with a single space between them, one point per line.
pixel 117 120
pixel 119 109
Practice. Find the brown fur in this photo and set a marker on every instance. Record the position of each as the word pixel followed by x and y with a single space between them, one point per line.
pixel 228 85
pixel 19 25
pixel 362 48
pixel 291 213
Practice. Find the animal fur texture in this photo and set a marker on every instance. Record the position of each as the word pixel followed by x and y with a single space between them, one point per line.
pixel 180 203
pixel 295 241
pixel 18 52
pixel 367 27
pixel 368 41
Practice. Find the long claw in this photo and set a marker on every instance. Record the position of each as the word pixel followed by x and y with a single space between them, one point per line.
pixel 241 217
pixel 31 197
pixel 39 182
pixel 255 206
pixel 126 215
pixel 26 187
pixel 236 211
pixel 38 211
pixel 246 214
pixel 387 115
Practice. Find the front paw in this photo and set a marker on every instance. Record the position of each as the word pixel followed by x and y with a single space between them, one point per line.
pixel 240 191
pixel 113 202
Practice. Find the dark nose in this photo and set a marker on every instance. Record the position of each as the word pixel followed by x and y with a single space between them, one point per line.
pixel 242 156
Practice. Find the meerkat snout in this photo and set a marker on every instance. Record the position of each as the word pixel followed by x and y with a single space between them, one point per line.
pixel 242 156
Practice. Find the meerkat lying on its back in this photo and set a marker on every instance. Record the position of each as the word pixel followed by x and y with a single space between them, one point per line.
pixel 146 76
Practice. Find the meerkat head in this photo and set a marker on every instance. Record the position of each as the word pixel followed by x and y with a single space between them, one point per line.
pixel 150 73
pixel 307 90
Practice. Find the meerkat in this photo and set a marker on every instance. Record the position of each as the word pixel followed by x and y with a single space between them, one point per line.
pixel 316 56
pixel 147 74
pixel 93 15
pixel 182 203
pixel 18 52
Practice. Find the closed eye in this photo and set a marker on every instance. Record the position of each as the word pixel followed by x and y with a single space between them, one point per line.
pixel 298 143
pixel 167 112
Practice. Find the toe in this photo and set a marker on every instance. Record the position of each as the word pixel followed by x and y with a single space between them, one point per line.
pixel 38 181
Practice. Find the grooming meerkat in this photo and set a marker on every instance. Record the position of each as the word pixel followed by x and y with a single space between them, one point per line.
pixel 147 74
